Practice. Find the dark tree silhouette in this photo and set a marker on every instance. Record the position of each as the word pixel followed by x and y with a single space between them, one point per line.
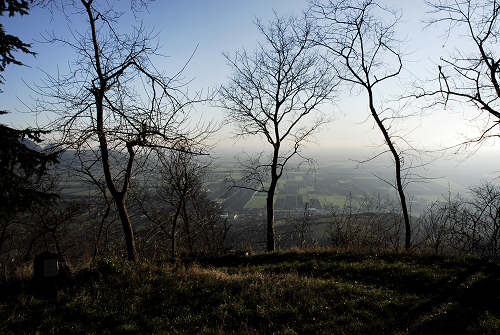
pixel 22 163
pixel 181 182
pixel 21 170
pixel 360 35
pixel 9 44
pixel 273 94
pixel 471 75
pixel 181 217
pixel 116 98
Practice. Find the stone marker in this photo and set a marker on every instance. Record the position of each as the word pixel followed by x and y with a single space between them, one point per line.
pixel 46 265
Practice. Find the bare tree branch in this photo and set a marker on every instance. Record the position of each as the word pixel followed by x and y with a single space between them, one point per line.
pixel 272 94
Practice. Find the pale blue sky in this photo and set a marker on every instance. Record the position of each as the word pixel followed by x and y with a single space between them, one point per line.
pixel 215 26
pixel 227 25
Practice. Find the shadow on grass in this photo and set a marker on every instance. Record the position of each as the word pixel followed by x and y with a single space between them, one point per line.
pixel 319 291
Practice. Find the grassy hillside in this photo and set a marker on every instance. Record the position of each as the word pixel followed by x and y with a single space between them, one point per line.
pixel 294 292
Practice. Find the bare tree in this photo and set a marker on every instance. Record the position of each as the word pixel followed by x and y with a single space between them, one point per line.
pixel 115 97
pixel 49 228
pixel 101 205
pixel 273 94
pixel 436 226
pixel 181 181
pixel 465 225
pixel 303 226
pixel 370 222
pixel 360 35
pixel 178 209
pixel 471 75
pixel 484 211
pixel 211 229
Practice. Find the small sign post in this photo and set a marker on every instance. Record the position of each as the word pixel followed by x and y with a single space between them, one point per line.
pixel 47 272
pixel 46 265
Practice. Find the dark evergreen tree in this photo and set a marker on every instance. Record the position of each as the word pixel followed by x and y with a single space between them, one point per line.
pixel 22 164
pixel 9 43
pixel 21 167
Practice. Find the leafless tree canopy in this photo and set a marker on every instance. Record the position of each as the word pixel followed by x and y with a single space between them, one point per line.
pixel 115 98
pixel 464 225
pixel 360 36
pixel 143 106
pixel 370 222
pixel 181 219
pixel 274 89
pixel 273 93
pixel 471 73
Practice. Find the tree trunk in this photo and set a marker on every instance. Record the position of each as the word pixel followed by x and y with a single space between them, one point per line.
pixel 402 198
pixel 118 197
pixel 98 91
pixel 127 229
pixel 270 215
pixel 185 218
pixel 99 233
pixel 174 226
pixel 397 160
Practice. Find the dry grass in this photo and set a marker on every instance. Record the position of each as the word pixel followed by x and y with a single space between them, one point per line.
pixel 292 292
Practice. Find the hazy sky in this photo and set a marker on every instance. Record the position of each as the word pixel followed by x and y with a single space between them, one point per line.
pixel 218 26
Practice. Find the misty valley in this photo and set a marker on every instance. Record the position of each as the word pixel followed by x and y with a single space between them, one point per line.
pixel 309 202
pixel 249 167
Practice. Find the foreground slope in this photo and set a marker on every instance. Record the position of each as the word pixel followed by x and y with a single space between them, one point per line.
pixel 292 292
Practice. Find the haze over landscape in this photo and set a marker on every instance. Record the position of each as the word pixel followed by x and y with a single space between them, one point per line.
pixel 204 30
pixel 284 166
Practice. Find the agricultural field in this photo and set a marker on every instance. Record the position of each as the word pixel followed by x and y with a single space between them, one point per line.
pixel 327 186
pixel 257 201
